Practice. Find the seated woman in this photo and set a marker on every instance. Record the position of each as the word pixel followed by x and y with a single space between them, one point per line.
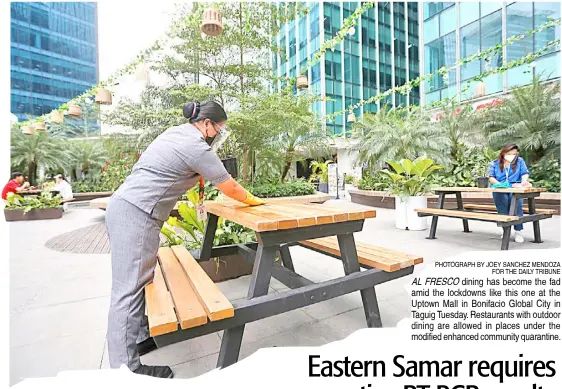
pixel 509 169
pixel 64 189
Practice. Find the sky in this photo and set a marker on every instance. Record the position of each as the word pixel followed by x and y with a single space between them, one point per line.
pixel 127 27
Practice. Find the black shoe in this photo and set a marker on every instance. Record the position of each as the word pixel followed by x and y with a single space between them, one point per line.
pixel 155 371
pixel 146 346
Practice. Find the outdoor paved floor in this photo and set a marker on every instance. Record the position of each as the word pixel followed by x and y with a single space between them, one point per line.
pixel 59 301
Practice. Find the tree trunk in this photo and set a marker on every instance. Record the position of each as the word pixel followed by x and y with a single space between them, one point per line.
pixel 285 171
pixel 32 171
pixel 245 163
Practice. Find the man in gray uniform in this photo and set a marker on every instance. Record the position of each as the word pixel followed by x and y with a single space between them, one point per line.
pixel 169 167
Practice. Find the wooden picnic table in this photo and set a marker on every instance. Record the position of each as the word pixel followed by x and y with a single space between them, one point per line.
pixel 279 225
pixel 489 212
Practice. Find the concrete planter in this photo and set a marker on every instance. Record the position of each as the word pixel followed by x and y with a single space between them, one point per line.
pixel 229 267
pixel 16 215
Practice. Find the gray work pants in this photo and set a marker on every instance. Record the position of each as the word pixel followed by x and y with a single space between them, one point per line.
pixel 134 239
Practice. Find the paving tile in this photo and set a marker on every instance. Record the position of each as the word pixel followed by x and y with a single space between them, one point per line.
pixel 306 335
pixel 55 321
pixel 185 351
pixel 195 367
pixel 48 357
pixel 71 291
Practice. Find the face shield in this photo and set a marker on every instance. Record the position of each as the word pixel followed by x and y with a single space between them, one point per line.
pixel 222 135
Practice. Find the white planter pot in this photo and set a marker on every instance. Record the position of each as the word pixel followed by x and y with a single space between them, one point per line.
pixel 406 216
pixel 401 212
pixel 416 223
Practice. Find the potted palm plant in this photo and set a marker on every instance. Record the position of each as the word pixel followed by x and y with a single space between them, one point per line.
pixel 410 184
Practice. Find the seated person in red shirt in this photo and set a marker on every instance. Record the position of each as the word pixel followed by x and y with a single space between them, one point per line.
pixel 14 185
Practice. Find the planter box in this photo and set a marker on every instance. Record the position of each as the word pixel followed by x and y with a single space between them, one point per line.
pixel 381 199
pixel 230 267
pixel 15 215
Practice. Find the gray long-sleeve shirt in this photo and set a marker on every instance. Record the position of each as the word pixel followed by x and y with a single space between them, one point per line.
pixel 168 168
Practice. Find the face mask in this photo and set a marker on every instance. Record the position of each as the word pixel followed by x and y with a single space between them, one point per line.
pixel 510 158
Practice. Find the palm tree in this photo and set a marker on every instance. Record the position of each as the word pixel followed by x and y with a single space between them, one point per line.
pixel 398 134
pixel 531 118
pixel 85 155
pixel 460 125
pixel 37 151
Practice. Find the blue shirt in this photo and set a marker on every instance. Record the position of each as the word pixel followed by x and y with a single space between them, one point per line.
pixel 515 175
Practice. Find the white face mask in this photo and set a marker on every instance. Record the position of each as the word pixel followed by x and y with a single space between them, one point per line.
pixel 510 158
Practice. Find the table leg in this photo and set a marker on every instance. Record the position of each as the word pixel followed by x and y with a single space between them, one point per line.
pixel 209 237
pixel 536 226
pixel 440 205
pixel 259 286
pixel 507 230
pixel 350 261
pixel 460 206
pixel 286 257
pixel 505 238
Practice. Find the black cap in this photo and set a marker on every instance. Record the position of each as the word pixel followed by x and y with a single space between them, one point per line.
pixel 16 174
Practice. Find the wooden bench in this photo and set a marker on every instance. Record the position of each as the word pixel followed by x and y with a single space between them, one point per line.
pixel 369 256
pixel 181 294
pixel 488 217
pixel 492 208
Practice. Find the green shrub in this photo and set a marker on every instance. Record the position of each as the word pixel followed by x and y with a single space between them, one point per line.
pixel 291 188
pixel 468 165
pixel 374 181
pixel 27 203
pixel 546 174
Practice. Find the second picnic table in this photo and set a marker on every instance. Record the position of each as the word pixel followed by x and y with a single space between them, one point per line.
pixel 488 213
pixel 277 227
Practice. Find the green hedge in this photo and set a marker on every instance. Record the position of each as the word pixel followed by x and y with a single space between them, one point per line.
pixel 291 188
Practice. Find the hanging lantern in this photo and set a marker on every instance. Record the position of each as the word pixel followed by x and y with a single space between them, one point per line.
pixel 57 117
pixel 28 130
pixel 103 96
pixel 351 117
pixel 212 22
pixel 75 110
pixel 480 89
pixel 40 126
pixel 302 82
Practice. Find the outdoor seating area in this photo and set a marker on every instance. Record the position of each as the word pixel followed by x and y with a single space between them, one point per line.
pixel 263 174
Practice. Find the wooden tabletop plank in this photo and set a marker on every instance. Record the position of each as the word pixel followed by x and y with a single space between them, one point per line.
pixel 256 223
pixel 284 221
pixel 322 216
pixel 189 310
pixel 210 296
pixel 303 221
pixel 499 190
pixel 160 309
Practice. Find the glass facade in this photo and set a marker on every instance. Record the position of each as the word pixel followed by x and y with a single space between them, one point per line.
pixel 382 53
pixel 54 54
pixel 455 30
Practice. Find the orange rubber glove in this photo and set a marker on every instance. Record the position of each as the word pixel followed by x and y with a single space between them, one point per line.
pixel 253 200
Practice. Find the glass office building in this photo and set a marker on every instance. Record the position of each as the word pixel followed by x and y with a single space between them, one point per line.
pixel 54 54
pixel 455 30
pixel 382 53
